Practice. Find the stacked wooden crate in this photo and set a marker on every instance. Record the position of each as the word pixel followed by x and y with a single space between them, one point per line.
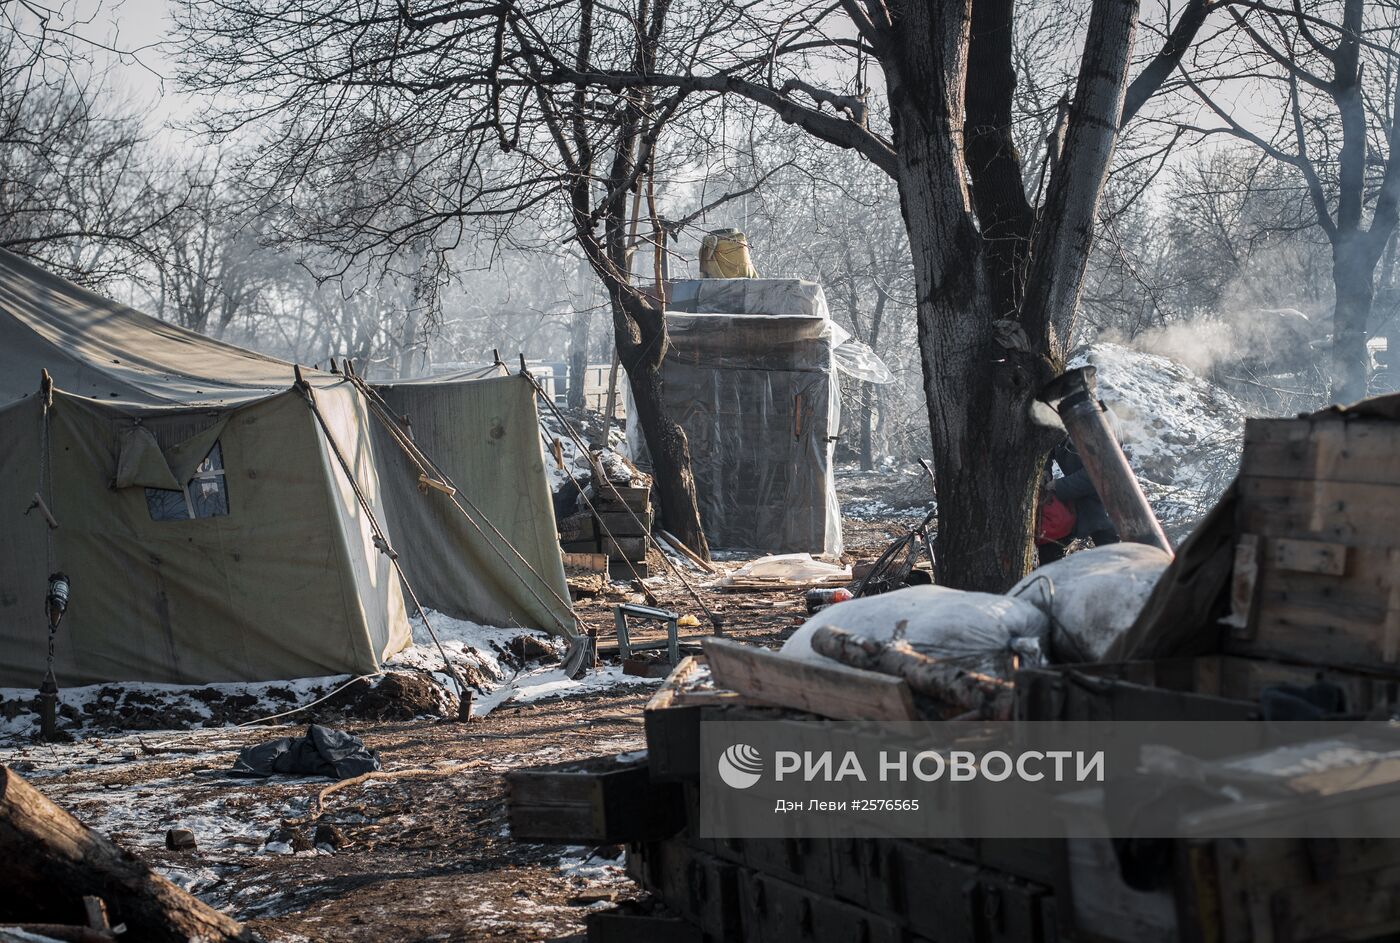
pixel 1317 565
pixel 804 889
pixel 1314 598
pixel 623 522
pixel 618 527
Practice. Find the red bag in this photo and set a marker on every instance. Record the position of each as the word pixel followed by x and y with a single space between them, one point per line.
pixel 1056 521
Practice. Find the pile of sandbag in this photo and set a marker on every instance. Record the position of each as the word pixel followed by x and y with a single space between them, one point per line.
pixel 979 632
pixel 1065 612
pixel 1092 597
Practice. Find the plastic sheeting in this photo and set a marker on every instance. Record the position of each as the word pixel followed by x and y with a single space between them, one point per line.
pixel 758 399
pixel 779 296
pixel 751 377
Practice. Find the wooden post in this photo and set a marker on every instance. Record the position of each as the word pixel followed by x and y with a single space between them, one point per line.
pixel 52 861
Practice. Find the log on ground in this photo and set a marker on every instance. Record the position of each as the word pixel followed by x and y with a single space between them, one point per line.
pixel 53 860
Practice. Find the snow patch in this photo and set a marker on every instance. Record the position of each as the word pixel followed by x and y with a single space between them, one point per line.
pixel 1182 434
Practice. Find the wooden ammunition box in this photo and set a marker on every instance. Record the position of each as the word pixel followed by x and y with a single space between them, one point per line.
pixel 603 800
pixel 1317 566
pixel 1207 688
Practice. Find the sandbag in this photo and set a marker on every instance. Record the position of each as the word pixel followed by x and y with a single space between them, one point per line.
pixel 1092 597
pixel 977 631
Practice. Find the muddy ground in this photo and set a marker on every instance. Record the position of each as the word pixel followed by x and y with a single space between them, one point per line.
pixel 424 855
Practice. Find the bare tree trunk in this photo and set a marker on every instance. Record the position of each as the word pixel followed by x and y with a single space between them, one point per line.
pixel 408 346
pixel 868 390
pixel 984 355
pixel 641 345
pixel 1353 272
pixel 578 340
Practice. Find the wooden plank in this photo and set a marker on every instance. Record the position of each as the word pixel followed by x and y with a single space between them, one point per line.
pixel 590 562
pixel 1362 451
pixel 775 910
pixel 623 524
pixel 612 927
pixel 1258 884
pixel 578 528
pixel 1324 619
pixel 1243 585
pixel 833 690
pixel 607 491
pixel 676 544
pixel 625 548
pixel 1358 515
pixel 1244 679
pixel 1307 556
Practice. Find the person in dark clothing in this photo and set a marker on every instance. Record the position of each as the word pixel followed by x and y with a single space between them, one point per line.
pixel 1075 489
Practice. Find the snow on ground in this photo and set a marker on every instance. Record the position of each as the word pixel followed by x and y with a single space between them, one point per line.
pixel 485 649
pixel 1182 433
pixel 890 491
pixel 480 653
pixel 573 458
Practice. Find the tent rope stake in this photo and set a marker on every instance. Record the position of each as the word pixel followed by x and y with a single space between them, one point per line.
pixel 464 696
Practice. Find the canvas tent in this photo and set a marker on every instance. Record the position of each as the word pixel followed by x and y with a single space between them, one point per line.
pixel 482 433
pixel 206 517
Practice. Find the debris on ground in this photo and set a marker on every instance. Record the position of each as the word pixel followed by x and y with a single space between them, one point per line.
pixel 321 751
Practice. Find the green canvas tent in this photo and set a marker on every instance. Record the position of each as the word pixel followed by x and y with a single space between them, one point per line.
pixel 483 435
pixel 214 525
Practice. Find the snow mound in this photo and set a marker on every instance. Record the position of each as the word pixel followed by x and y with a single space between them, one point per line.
pixel 978 631
pixel 1182 433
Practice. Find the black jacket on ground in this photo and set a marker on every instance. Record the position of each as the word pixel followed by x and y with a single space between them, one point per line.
pixel 1076 488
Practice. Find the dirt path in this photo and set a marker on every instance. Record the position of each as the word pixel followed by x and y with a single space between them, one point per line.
pixel 422 857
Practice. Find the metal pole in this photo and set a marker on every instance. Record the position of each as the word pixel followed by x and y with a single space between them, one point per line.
pixel 1074 395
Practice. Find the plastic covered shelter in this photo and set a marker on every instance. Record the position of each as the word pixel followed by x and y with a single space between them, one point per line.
pixel 751 377
pixel 218 521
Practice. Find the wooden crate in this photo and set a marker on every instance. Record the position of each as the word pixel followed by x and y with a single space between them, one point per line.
pixel 1207 688
pixel 625 548
pixel 623 524
pixel 1243 889
pixel 604 800
pixel 1317 567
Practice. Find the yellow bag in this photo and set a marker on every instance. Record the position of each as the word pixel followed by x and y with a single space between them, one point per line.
pixel 724 253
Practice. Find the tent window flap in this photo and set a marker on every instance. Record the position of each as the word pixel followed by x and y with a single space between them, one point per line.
pixel 204 495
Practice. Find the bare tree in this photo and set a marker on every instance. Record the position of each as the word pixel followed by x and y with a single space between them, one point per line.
pixel 80 190
pixel 1332 67
pixel 578 95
